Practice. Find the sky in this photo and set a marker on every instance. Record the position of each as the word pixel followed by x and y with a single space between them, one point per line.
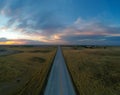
pixel 39 22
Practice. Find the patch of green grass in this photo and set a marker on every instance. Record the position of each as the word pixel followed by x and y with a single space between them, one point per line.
pixel 95 71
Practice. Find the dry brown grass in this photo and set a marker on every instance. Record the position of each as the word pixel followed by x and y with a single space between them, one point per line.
pixel 95 71
pixel 24 73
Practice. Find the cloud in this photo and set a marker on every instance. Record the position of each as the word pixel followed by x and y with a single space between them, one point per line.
pixel 90 32
pixel 3 39
pixel 112 38
pixel 95 26
pixel 40 20
pixel 32 16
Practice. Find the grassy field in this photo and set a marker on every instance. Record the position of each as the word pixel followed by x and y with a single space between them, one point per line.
pixel 24 73
pixel 95 71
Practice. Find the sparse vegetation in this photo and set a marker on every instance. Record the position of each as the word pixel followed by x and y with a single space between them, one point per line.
pixel 95 71
pixel 40 51
pixel 24 73
pixel 38 59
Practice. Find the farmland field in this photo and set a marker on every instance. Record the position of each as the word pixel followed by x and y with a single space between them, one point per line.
pixel 23 69
pixel 95 71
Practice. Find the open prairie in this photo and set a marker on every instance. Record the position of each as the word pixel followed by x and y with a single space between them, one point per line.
pixel 23 69
pixel 95 70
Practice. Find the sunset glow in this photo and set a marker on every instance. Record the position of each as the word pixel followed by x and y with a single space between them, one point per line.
pixel 12 43
pixel 60 22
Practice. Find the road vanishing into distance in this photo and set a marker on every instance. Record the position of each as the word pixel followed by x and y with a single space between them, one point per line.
pixel 59 82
